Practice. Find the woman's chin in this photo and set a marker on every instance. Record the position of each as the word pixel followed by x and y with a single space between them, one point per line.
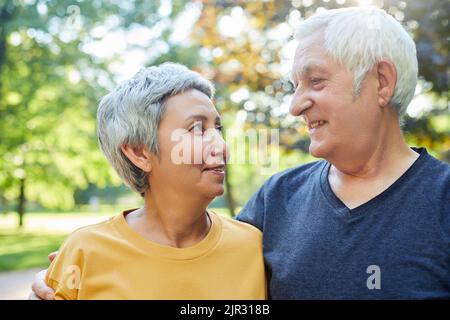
pixel 215 191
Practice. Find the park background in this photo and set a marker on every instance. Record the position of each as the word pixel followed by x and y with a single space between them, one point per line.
pixel 58 58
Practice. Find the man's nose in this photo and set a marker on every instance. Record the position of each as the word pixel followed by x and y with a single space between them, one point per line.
pixel 299 104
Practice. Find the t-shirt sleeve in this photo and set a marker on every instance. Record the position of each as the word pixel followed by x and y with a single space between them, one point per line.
pixel 64 273
pixel 253 211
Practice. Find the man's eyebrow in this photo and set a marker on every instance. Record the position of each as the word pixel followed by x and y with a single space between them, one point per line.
pixel 307 69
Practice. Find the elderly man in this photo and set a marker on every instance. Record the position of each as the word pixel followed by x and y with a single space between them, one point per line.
pixel 372 219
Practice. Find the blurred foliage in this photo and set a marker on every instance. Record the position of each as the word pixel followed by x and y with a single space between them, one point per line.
pixel 49 90
pixel 251 60
pixel 50 83
pixel 47 113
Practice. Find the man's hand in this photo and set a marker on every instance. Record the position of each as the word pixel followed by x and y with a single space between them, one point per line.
pixel 40 289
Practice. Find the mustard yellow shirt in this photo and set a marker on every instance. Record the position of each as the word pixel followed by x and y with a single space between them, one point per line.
pixel 110 260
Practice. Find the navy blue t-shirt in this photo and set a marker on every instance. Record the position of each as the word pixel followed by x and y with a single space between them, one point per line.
pixel 395 246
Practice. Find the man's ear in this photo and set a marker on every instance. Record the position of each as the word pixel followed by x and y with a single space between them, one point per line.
pixel 387 79
pixel 139 156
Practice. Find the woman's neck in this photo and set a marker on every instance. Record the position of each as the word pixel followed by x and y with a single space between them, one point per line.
pixel 171 221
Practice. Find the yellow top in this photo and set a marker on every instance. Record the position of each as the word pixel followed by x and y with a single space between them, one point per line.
pixel 110 260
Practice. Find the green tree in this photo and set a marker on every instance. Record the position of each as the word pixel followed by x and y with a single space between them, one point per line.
pixel 49 91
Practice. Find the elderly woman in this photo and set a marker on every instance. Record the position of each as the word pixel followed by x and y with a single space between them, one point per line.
pixel 162 134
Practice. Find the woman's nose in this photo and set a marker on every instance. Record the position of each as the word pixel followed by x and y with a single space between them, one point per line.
pixel 218 146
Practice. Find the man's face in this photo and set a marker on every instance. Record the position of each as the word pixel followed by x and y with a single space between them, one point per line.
pixel 339 122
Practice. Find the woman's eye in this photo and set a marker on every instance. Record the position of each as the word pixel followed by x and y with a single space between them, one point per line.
pixel 315 81
pixel 197 128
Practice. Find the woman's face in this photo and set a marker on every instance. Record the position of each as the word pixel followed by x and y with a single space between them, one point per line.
pixel 192 152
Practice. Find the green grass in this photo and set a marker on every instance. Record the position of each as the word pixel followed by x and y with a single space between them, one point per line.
pixel 43 233
pixel 25 250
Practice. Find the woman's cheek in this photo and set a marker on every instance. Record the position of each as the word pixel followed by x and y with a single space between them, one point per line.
pixel 186 149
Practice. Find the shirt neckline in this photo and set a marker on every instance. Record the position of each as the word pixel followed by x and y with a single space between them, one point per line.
pixel 343 210
pixel 152 248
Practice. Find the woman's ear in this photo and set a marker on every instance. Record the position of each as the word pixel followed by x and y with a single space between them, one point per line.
pixel 139 156
pixel 387 79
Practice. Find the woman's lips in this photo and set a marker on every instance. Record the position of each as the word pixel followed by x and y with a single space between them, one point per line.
pixel 217 170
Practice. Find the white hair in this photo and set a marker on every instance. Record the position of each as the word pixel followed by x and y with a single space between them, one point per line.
pixel 359 37
pixel 131 114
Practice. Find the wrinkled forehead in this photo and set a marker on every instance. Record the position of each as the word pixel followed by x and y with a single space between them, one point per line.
pixel 309 55
pixel 310 46
pixel 316 39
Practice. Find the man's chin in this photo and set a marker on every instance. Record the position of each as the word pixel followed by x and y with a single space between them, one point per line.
pixel 318 150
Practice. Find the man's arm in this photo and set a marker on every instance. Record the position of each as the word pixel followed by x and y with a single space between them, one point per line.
pixel 40 289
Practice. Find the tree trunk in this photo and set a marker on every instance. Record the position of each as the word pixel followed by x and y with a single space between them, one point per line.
pixel 21 207
pixel 229 193
pixel 3 204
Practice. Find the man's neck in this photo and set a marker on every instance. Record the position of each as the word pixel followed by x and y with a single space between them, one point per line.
pixel 387 153
pixel 382 162
pixel 357 178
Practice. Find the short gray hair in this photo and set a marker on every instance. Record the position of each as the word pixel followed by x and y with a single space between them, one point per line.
pixel 359 37
pixel 131 114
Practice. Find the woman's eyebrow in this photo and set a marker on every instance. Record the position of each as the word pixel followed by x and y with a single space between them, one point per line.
pixel 201 117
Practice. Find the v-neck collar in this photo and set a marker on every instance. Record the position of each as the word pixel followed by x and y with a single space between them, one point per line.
pixel 343 211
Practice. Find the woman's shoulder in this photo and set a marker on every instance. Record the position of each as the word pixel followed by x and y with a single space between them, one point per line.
pixel 239 229
pixel 84 236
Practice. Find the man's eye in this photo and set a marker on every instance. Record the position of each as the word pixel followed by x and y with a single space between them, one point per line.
pixel 219 128
pixel 316 80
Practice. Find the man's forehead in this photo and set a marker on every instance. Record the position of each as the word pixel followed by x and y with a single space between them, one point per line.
pixel 315 41
pixel 310 54
pixel 309 48
pixel 302 67
pixel 309 65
